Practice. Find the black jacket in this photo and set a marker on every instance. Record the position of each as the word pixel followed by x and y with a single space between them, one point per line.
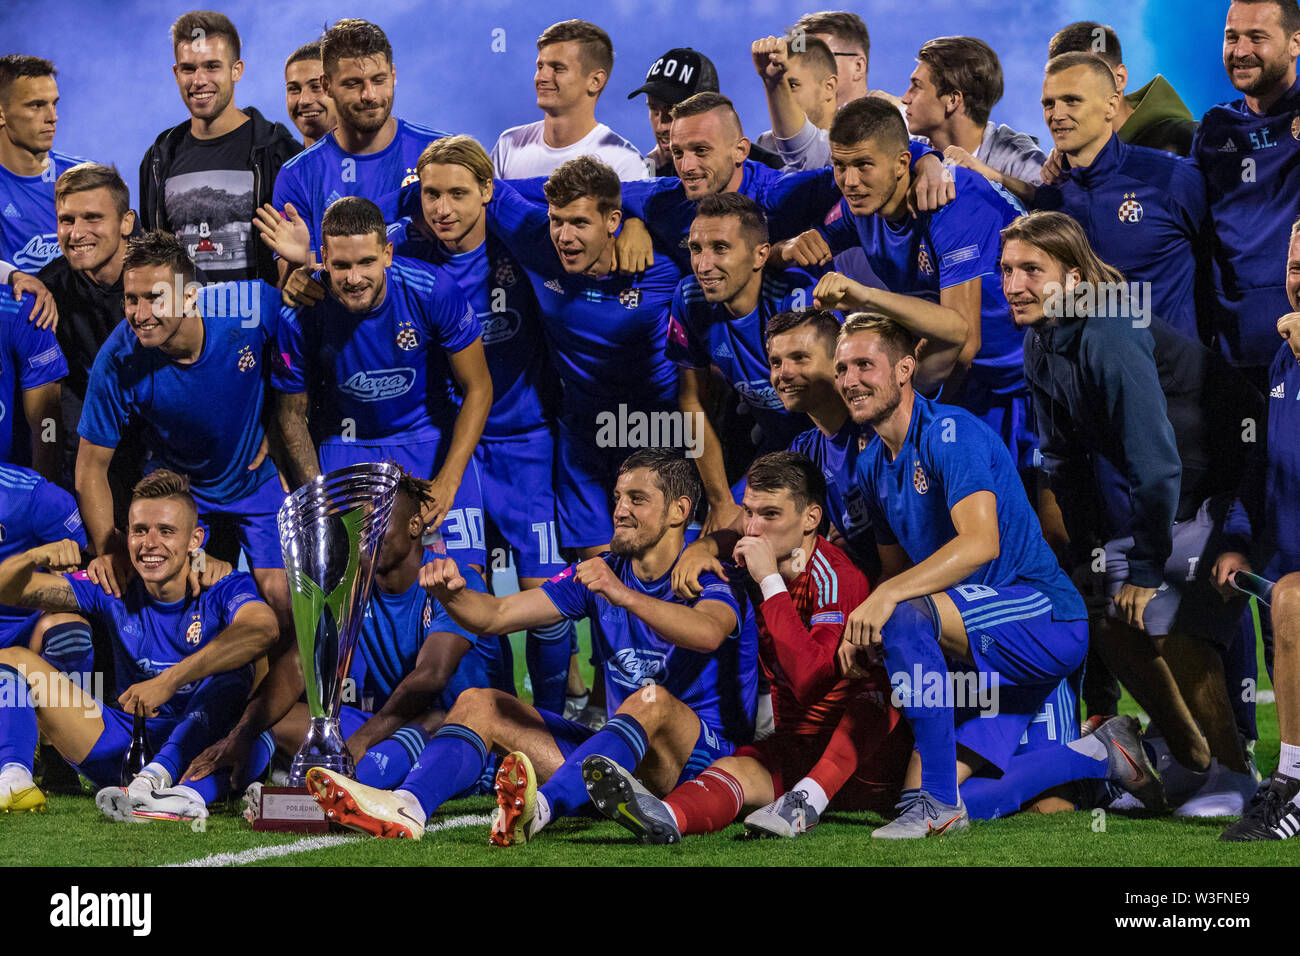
pixel 88 313
pixel 273 144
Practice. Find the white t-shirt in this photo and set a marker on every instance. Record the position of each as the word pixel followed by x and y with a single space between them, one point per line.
pixel 521 153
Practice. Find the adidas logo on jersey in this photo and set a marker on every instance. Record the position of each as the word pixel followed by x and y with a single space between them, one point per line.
pixel 1279 391
pixel 723 351
pixel 11 211
pixel 1228 147
pixel 332 198
pixel 554 286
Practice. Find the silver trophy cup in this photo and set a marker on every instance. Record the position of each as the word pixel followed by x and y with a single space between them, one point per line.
pixel 330 533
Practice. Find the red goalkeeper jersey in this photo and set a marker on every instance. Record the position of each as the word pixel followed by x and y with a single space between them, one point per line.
pixel 800 630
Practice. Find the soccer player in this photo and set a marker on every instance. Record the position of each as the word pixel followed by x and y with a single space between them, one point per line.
pixel 1162 414
pixel 31 368
pixel 370 152
pixel 808 587
pixel 29 95
pixel 181 348
pixel 967 575
pixel 680 677
pixel 372 373
pixel 800 83
pixel 1247 151
pixel 203 179
pixel 182 661
pixel 850 43
pixel 956 83
pixel 518 444
pixel 1263 531
pixel 678 75
pixel 574 61
pixel 305 100
pixel 948 256
pixel 1153 116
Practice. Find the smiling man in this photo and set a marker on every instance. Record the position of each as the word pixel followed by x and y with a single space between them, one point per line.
pixel 202 180
pixel 305 100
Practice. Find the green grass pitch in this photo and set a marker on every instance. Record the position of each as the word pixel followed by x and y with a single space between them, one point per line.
pixel 73 833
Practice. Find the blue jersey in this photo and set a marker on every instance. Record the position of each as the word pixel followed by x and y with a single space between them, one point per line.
pixel 385 369
pixel 941 249
pixel 721 687
pixel 948 455
pixel 204 419
pixel 393 630
pixel 324 172
pixel 29 358
pixel 607 333
pixel 837 458
pixel 149 636
pixel 33 512
pixel 29 235
pixel 701 334
pixel 1143 211
pixel 524 388
pixel 1251 165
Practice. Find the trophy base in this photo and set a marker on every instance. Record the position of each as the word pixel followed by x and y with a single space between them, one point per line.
pixel 289 810
pixel 324 748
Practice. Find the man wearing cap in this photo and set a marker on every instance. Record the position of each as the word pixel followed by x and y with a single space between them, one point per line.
pixel 678 74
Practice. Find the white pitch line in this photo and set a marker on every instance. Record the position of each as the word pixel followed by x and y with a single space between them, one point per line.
pixel 308 844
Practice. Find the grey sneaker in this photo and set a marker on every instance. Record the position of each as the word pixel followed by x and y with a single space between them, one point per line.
pixel 1129 766
pixel 620 797
pixel 924 816
pixel 788 816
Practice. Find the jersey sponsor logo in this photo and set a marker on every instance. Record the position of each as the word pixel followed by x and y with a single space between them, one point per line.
pixel 919 480
pixel 247 359
pixel 37 252
pixel 923 263
pixel 827 617
pixel 1130 210
pixel 11 212
pixel 499 326
pixel 194 632
pixel 629 298
pixel 1279 391
pixel 407 338
pixel 641 666
pixel 958 256
pixel 505 274
pixel 374 386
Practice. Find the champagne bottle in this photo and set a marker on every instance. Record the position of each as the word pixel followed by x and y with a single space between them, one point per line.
pixel 1254 585
pixel 139 753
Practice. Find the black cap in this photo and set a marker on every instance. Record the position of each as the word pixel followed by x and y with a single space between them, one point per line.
pixel 678 74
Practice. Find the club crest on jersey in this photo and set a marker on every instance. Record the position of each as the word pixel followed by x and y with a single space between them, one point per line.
pixel 505 274
pixel 407 338
pixel 920 481
pixel 1130 210
pixel 410 177
pixel 194 632
pixel 629 298
pixel 247 359
pixel 924 265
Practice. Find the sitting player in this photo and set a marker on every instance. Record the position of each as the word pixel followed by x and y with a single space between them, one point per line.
pixel 680 676
pixel 183 661
pixel 808 587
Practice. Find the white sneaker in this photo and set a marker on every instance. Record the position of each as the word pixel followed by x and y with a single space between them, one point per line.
pixel 253 802
pixel 116 803
pixel 1225 793
pixel 170 803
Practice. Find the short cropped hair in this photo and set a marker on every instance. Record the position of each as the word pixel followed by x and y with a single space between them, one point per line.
pixel 1288 12
pixel 353 38
pixel 753 224
pixel 597 49
pixel 898 341
pixel 15 66
pixel 840 24
pixel 1087 36
pixel 675 475
pixel 819 56
pixel 308 51
pixel 158 247
pixel 706 102
pixel 459 150
pixel 1093 63
pixel 353 216
pixel 162 483
pixel 204 25
pixel 583 177
pixel 823 322
pixel 965 65
pixel 789 471
pixel 870 119
pixel 84 177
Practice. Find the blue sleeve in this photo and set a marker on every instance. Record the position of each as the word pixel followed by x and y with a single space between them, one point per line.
pixel 55 515
pixel 840 232
pixel 89 596
pixel 104 413
pixel 289 188
pixel 967 241
pixel 958 453
pixel 919 150
pixel 524 227
pixel 436 620
pixel 798 201
pixel 289 368
pixel 685 347
pixel 451 320
pixel 713 588
pixel 570 598
pixel 36 356
pixel 231 593
pixel 533 189
pixel 269 315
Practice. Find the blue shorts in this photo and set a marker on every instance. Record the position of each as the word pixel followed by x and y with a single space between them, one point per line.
pixel 569 735
pixel 252 519
pixel 517 475
pixel 584 481
pixel 462 529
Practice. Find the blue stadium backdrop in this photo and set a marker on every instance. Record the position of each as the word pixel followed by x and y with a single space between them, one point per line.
pixel 467 66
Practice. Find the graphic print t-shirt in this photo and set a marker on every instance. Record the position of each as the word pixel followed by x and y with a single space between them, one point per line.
pixel 209 199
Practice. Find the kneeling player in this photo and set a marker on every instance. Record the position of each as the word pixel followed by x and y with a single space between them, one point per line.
pixel 184 661
pixel 808 587
pixel 681 676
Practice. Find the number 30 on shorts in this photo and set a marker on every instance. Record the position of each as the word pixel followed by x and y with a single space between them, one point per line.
pixel 463 528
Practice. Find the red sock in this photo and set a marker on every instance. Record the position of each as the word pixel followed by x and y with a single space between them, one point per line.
pixel 707 803
pixel 840 758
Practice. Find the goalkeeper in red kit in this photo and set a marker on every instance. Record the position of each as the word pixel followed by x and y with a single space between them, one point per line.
pixel 837 737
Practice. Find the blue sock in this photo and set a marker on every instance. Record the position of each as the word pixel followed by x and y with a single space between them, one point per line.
pixel 216 786
pixel 17 719
pixel 1026 777
pixel 911 640
pixel 547 651
pixel 450 763
pixel 387 763
pixel 622 740
pixel 69 648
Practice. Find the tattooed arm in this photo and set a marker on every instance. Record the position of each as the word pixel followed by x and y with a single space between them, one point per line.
pixel 22 586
